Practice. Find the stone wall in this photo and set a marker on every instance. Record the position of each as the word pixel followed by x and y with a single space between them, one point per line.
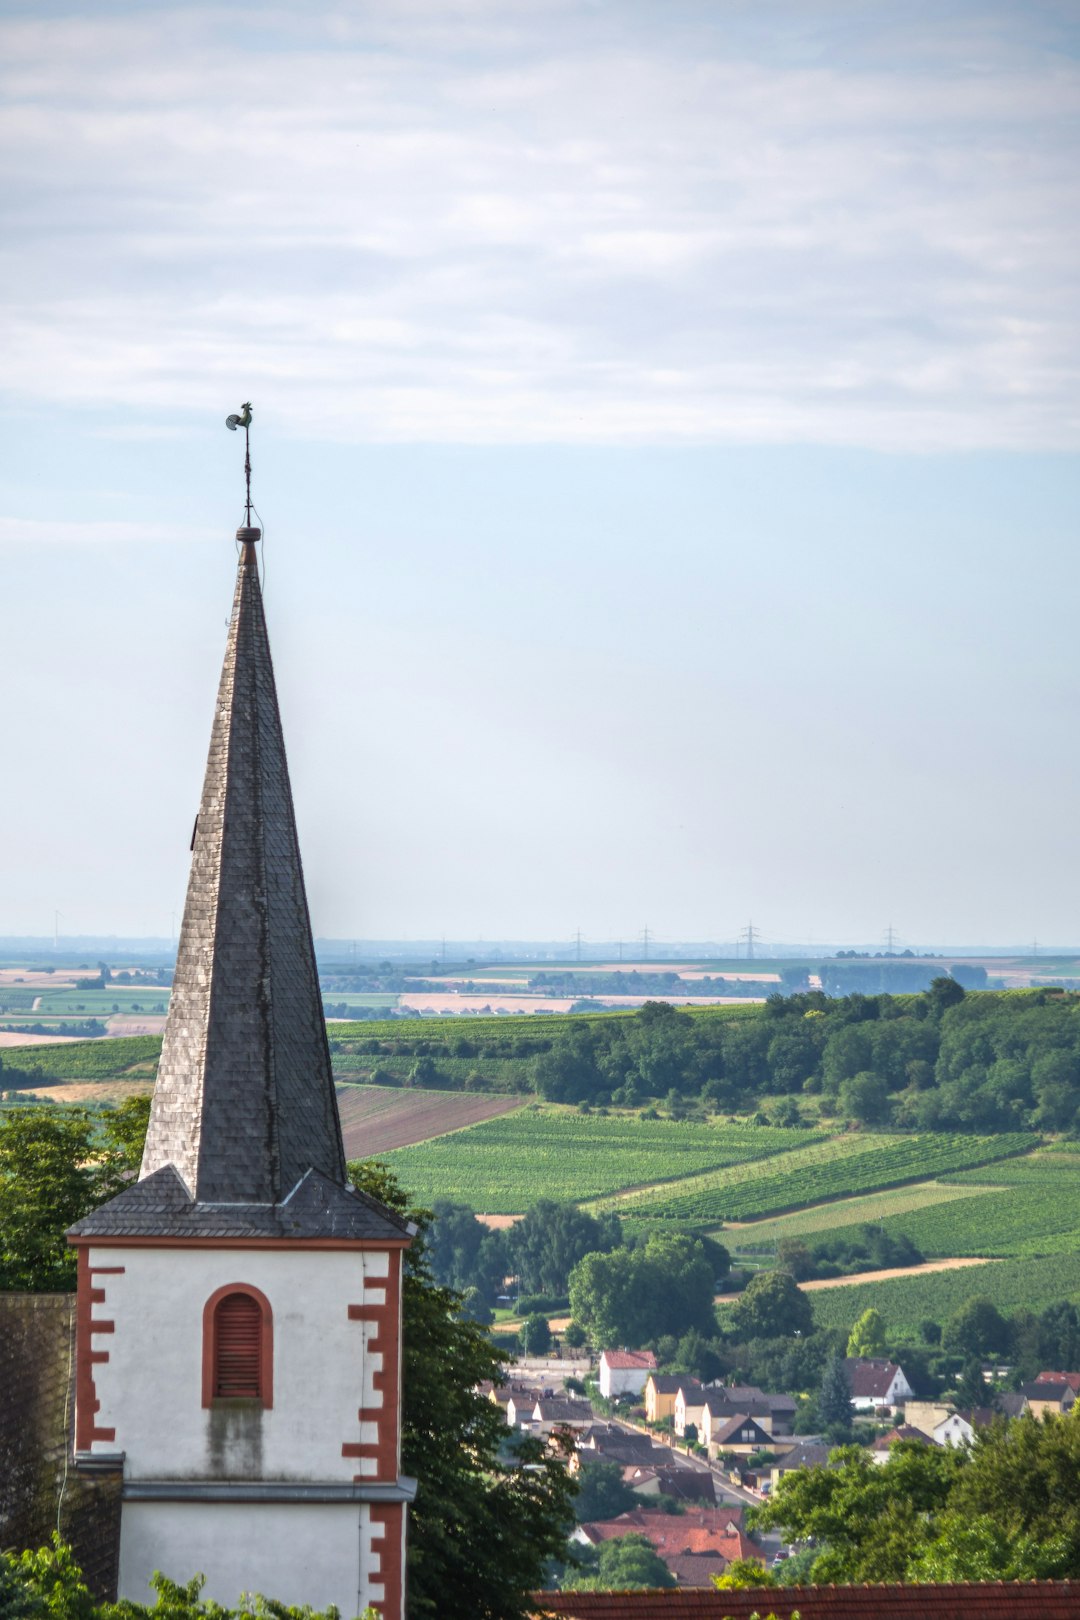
pixel 39 1489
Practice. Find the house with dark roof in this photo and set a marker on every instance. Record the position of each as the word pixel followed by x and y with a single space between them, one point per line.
pixel 1048 1395
pixel 238 1355
pixel 876 1382
pixel 661 1391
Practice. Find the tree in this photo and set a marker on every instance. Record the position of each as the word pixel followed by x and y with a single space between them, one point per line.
pixel 865 1097
pixel 867 1337
pixel 772 1304
pixel 491 1509
pixel 871 1518
pixel 834 1399
pixel 55 1166
pixel 976 1328
pixel 633 1295
pixel 602 1493
pixel 547 1244
pixel 536 1335
pixel 575 1335
pixel 623 1564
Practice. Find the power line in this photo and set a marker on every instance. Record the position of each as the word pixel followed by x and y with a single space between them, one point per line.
pixel 750 936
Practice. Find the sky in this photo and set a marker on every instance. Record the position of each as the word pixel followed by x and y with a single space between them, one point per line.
pixel 665 433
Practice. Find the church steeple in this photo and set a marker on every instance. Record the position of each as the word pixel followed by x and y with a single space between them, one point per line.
pixel 244 1103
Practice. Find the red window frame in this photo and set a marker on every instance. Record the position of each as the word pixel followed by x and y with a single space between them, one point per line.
pixel 265 1396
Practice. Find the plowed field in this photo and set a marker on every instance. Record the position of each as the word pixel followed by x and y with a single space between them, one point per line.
pixel 375 1119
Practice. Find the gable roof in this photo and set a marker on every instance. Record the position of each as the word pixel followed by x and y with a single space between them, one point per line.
pixel 903 1431
pixel 870 1378
pixel 1070 1378
pixel 1045 1389
pixel 808 1454
pixel 244 1102
pixel 1000 1600
pixel 627 1360
pixel 669 1383
pixel 735 1427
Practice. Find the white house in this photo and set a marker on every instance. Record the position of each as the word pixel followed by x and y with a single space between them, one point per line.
pixel 238 1342
pixel 876 1383
pixel 623 1372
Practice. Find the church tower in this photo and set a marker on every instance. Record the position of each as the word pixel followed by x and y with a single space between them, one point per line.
pixel 239 1306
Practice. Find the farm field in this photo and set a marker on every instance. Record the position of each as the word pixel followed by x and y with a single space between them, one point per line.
pixel 505 1165
pixel 753 1237
pixel 846 1165
pixel 131 1057
pixel 376 1119
pixel 1028 1206
pixel 905 1301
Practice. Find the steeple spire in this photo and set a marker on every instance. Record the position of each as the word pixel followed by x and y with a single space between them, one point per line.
pixel 244 1104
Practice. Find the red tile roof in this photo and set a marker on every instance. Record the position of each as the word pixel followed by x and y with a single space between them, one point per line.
pixel 699 1530
pixel 1001 1600
pixel 622 1360
pixel 1070 1378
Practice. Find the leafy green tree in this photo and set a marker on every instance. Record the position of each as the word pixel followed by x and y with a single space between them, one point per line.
pixel 865 1097
pixel 55 1166
pixel 772 1304
pixel 492 1509
pixel 834 1399
pixel 1023 1475
pixel 575 1335
pixel 983 1549
pixel 536 1335
pixel 871 1518
pixel 602 1493
pixel 624 1564
pixel 976 1328
pixel 867 1337
pixel 632 1296
pixel 547 1244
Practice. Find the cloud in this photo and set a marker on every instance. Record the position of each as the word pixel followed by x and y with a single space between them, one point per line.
pixel 549 222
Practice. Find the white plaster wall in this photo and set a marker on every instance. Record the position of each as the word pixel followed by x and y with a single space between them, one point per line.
pixel 299 1553
pixel 150 1389
pixel 622 1380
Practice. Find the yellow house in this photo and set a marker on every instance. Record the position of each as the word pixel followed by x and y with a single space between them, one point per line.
pixel 661 1392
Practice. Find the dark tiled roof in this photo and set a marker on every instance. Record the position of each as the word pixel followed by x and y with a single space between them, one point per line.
pixel 1045 1389
pixel 671 1383
pixel 1029 1600
pixel 733 1428
pixel 904 1431
pixel 244 1102
pixel 808 1454
pixel 869 1376
pixel 160 1206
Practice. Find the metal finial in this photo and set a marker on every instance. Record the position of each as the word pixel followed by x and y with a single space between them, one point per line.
pixel 247 533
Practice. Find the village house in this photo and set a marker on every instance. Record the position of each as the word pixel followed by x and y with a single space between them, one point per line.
pixel 661 1392
pixel 958 1429
pixel 712 1537
pixel 623 1372
pixel 739 1433
pixel 1070 1378
pixel 876 1383
pixel 1048 1395
pixel 689 1402
pixel 809 1453
pixel 904 1431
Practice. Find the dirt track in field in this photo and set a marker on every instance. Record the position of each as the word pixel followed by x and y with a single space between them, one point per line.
pixel 956 1264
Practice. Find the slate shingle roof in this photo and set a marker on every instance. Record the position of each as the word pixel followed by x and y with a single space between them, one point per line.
pixel 244 1103
pixel 160 1206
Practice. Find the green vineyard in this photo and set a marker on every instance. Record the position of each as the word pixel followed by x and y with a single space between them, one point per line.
pixel 889 1163
pixel 505 1165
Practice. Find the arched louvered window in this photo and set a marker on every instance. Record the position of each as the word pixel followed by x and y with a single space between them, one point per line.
pixel 237 1346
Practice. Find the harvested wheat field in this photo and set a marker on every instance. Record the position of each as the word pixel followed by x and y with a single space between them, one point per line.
pixel 15 1037
pixel 375 1119
pixel 956 1264
pixel 90 1091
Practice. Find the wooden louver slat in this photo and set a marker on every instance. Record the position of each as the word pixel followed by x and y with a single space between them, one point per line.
pixel 238 1345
